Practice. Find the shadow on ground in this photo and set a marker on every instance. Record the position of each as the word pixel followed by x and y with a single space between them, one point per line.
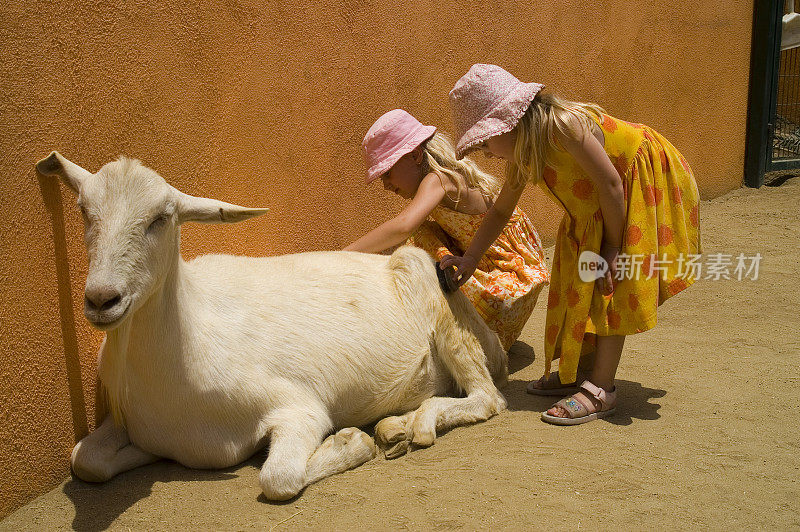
pixel 98 505
pixel 520 356
pixel 633 401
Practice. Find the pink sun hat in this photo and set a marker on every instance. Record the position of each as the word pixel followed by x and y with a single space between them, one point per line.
pixel 391 136
pixel 488 101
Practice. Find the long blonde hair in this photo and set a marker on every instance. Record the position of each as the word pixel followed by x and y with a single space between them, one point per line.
pixel 536 133
pixel 439 156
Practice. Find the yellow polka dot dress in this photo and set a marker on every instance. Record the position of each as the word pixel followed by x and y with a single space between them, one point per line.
pixel 660 243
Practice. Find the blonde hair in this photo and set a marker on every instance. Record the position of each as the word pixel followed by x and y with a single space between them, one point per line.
pixel 439 156
pixel 536 133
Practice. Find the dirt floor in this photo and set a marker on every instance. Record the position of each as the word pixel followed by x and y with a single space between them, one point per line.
pixel 706 435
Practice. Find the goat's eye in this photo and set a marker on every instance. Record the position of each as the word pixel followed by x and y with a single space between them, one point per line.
pixel 157 224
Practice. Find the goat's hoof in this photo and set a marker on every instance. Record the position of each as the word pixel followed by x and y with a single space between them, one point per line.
pixel 88 475
pixel 390 430
pixel 353 444
pixel 393 436
pixel 423 439
pixel 397 450
pixel 500 403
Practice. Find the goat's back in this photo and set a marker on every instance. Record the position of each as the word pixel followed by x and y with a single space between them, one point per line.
pixel 350 326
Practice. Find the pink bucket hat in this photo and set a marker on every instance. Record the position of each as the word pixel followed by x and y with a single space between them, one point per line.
pixel 488 101
pixel 391 136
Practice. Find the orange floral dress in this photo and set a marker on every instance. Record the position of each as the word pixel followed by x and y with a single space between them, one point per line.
pixel 509 277
pixel 661 238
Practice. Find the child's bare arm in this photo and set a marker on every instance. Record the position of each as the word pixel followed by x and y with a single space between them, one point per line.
pixel 493 223
pixel 592 157
pixel 398 229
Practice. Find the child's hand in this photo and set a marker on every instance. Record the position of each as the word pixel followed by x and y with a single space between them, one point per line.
pixel 465 267
pixel 609 254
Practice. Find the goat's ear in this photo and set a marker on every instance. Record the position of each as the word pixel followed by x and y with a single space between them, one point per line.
pixel 194 209
pixel 70 173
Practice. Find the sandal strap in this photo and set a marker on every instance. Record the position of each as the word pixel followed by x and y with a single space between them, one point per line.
pixel 573 406
pixel 607 399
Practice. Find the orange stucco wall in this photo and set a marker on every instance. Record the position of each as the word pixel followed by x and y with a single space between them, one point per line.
pixel 265 104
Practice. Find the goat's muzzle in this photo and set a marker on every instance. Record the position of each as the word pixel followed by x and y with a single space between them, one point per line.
pixel 104 307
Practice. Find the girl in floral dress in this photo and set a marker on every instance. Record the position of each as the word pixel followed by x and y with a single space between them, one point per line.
pixel 449 198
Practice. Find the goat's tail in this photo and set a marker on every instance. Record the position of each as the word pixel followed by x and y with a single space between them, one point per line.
pixel 414 275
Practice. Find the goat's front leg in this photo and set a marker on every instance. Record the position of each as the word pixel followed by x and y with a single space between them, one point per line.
pixel 296 458
pixel 107 452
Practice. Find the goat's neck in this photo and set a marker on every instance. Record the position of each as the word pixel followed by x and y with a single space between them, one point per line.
pixel 149 340
pixel 161 312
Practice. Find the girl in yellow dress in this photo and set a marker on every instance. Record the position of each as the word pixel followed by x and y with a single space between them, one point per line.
pixel 449 199
pixel 628 196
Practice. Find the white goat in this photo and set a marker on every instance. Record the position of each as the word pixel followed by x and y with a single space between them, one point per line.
pixel 207 361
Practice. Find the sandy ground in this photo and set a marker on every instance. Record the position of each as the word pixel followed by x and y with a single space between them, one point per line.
pixel 706 435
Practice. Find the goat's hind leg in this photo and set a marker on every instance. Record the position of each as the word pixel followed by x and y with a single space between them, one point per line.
pixel 106 452
pixel 395 434
pixel 465 346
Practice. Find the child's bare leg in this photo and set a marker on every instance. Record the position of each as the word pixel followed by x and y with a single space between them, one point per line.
pixel 586 362
pixel 609 351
